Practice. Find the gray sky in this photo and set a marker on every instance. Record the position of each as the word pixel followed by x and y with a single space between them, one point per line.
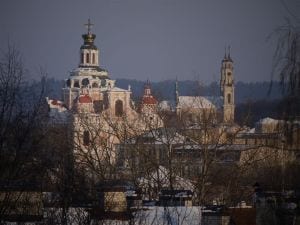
pixel 140 39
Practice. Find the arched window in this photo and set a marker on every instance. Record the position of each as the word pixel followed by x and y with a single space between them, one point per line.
pixel 229 98
pixel 76 84
pixel 119 108
pixel 94 58
pixel 68 83
pixel 86 137
pixel 85 82
pixel 82 58
pixel 87 58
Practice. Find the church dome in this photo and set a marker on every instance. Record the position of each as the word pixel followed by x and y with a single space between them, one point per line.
pixel 85 99
pixel 88 41
pixel 149 100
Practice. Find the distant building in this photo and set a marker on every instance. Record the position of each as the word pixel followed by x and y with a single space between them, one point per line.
pixel 195 109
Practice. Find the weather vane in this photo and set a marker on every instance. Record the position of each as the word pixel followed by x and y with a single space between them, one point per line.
pixel 89 25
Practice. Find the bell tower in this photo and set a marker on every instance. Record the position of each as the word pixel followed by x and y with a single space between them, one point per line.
pixel 227 88
pixel 88 51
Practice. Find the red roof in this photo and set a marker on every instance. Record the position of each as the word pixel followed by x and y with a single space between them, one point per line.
pixel 149 100
pixel 56 102
pixel 85 99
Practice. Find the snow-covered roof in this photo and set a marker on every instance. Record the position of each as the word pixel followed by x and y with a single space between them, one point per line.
pixel 268 120
pixel 58 112
pixel 194 102
pixel 164 105
pixel 157 215
pixel 162 177
pixel 56 104
pixel 216 100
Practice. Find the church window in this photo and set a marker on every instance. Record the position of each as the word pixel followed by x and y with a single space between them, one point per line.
pixel 98 106
pixel 82 58
pixel 94 58
pixel 87 58
pixel 85 82
pixel 95 85
pixel 86 137
pixel 119 108
pixel 76 83
pixel 228 73
pixel 229 98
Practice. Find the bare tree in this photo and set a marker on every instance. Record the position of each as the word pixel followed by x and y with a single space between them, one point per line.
pixel 21 132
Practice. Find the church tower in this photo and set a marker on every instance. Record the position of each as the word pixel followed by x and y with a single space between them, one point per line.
pixel 88 51
pixel 227 88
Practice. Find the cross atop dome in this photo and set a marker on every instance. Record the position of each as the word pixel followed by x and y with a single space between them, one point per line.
pixel 89 25
pixel 89 37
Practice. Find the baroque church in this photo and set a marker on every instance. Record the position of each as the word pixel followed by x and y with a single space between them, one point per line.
pixel 101 114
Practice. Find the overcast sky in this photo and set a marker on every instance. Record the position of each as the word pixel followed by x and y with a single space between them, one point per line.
pixel 154 39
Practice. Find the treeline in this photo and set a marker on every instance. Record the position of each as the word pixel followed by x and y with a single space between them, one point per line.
pixel 165 90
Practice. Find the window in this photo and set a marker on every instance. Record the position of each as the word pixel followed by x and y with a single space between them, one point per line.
pixel 98 106
pixel 95 85
pixel 229 98
pixel 119 108
pixel 76 83
pixel 86 137
pixel 87 58
pixel 94 58
pixel 85 82
pixel 82 58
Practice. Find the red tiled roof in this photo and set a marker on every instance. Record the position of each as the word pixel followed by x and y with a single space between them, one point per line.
pixel 85 99
pixel 149 100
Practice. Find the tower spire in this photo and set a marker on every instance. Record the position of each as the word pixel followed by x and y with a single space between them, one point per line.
pixel 176 92
pixel 225 55
pixel 89 54
pixel 229 49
